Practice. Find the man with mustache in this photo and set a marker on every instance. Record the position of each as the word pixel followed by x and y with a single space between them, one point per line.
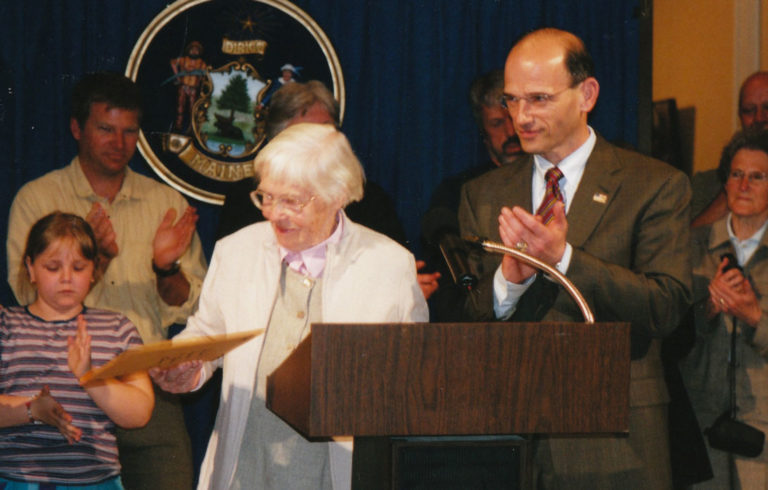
pixel 503 147
pixel 494 122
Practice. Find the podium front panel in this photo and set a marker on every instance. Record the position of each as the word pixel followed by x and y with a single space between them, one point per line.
pixel 455 379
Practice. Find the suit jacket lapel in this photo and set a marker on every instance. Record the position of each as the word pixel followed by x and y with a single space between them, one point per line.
pixel 518 178
pixel 597 189
pixel 510 186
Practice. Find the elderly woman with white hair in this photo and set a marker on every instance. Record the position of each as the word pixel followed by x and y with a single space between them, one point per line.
pixel 308 263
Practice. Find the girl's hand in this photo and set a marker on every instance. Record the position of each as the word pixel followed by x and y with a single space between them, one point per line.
pixel 44 408
pixel 80 349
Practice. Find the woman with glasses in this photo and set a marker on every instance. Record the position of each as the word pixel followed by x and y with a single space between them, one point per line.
pixel 731 306
pixel 307 263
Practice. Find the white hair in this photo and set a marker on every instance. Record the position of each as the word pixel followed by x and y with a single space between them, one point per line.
pixel 313 156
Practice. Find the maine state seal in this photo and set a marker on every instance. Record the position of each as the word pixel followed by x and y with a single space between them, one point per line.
pixel 207 70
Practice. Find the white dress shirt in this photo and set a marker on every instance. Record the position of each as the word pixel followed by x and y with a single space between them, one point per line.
pixel 507 294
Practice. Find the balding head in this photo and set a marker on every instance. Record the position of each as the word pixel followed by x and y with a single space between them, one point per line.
pixel 753 101
pixel 578 62
pixel 549 90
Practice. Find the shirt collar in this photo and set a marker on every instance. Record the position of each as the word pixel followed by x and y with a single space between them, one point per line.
pixel 312 260
pixel 129 189
pixel 573 161
pixel 745 248
pixel 572 167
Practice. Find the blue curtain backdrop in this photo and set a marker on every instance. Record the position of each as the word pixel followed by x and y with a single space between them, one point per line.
pixel 407 65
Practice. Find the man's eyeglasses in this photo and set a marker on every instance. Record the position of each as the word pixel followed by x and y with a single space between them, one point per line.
pixel 294 204
pixel 535 102
pixel 752 177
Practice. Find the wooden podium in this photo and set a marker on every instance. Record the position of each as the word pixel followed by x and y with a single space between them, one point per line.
pixel 453 379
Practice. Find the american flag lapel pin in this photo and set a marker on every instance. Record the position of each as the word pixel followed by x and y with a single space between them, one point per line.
pixel 600 197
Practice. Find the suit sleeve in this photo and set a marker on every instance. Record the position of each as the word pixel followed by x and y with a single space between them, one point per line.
pixel 478 305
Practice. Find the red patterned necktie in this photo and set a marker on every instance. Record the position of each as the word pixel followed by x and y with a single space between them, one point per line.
pixel 551 195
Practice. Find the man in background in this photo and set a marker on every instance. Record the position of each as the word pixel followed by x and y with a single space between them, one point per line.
pixel 150 258
pixel 492 120
pixel 503 146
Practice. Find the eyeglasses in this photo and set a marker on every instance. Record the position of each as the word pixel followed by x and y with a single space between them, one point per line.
pixel 752 177
pixel 535 102
pixel 293 204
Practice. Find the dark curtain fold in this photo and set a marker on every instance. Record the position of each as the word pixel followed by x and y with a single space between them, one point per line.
pixel 407 66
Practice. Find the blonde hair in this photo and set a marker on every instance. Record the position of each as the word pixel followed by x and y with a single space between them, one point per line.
pixel 52 227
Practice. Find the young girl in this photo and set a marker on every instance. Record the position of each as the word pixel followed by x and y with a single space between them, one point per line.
pixel 52 430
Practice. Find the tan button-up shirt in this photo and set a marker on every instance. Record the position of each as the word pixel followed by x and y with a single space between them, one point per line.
pixel 129 284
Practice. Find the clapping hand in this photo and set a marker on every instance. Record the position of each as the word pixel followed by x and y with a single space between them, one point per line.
pixel 171 240
pixel 731 293
pixel 79 346
pixel 526 232
pixel 46 409
pixel 102 228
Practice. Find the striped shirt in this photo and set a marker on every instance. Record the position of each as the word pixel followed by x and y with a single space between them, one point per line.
pixel 33 354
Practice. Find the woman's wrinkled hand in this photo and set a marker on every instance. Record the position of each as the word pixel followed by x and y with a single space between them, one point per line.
pixel 178 379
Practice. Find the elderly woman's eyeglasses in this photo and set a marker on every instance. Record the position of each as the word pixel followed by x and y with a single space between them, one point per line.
pixel 294 204
pixel 752 177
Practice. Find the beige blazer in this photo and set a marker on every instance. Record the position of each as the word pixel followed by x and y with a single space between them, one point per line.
pixel 367 278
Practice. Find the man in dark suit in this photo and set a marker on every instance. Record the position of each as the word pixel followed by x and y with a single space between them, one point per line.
pixel 618 231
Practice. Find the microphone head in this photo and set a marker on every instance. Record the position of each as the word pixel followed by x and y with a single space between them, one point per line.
pixel 475 240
